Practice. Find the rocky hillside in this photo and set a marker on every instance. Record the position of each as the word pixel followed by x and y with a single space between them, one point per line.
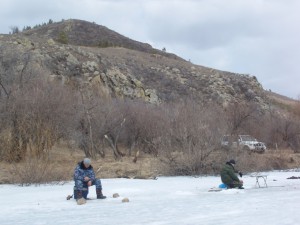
pixel 81 53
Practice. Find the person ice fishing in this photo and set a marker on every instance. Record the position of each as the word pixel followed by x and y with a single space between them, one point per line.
pixel 84 177
pixel 229 177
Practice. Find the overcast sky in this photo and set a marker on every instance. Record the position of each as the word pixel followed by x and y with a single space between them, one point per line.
pixel 256 37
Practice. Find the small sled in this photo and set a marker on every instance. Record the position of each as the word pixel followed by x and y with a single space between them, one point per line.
pixel 221 187
pixel 215 189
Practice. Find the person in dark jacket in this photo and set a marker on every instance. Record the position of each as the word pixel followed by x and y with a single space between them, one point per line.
pixel 229 177
pixel 84 177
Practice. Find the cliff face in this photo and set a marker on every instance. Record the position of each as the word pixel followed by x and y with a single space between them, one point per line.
pixel 78 52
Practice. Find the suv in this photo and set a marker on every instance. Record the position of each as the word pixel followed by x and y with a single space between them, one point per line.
pixel 245 142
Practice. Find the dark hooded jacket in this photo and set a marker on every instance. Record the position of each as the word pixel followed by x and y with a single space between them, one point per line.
pixel 228 174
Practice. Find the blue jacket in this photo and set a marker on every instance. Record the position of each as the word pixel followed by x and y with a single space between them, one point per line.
pixel 81 172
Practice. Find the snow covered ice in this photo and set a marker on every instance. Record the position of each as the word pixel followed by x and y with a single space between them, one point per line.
pixel 167 200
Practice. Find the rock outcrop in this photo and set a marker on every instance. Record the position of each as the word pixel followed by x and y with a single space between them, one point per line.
pixel 119 67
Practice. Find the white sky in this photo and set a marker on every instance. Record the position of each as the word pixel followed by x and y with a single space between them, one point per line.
pixel 256 37
pixel 165 201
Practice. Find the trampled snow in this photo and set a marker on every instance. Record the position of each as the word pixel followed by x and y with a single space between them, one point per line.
pixel 167 200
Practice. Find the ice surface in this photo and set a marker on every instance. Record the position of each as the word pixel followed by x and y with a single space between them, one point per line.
pixel 167 200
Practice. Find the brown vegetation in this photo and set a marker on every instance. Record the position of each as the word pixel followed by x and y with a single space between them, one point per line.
pixel 135 115
pixel 181 138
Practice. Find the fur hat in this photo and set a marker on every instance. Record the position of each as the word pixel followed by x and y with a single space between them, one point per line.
pixel 87 161
pixel 232 161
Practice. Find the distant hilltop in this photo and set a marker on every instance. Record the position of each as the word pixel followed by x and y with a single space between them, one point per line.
pixel 79 51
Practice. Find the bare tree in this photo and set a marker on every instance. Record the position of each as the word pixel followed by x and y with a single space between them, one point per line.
pixel 113 137
pixel 239 118
pixel 88 148
pixel 100 120
pixel 36 117
pixel 144 128
pixel 195 135
pixel 285 133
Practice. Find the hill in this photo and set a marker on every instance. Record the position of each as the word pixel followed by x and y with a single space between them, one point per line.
pixel 74 88
pixel 75 50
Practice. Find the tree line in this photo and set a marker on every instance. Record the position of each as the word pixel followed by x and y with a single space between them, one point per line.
pixel 36 114
pixel 15 29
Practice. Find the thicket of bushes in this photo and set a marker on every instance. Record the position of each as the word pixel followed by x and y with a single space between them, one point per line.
pixel 36 114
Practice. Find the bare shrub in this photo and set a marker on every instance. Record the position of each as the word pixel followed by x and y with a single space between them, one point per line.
pixel 109 125
pixel 99 123
pixel 37 171
pixel 131 124
pixel 155 130
pixel 36 117
pixel 252 163
pixel 285 133
pixel 85 123
pixel 135 112
pixel 33 112
pixel 195 134
pixel 241 118
pixel 139 132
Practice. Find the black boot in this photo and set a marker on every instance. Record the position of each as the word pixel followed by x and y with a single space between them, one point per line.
pixel 79 198
pixel 99 194
pixel 77 194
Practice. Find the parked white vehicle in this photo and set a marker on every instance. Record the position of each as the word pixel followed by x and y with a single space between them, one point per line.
pixel 245 142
